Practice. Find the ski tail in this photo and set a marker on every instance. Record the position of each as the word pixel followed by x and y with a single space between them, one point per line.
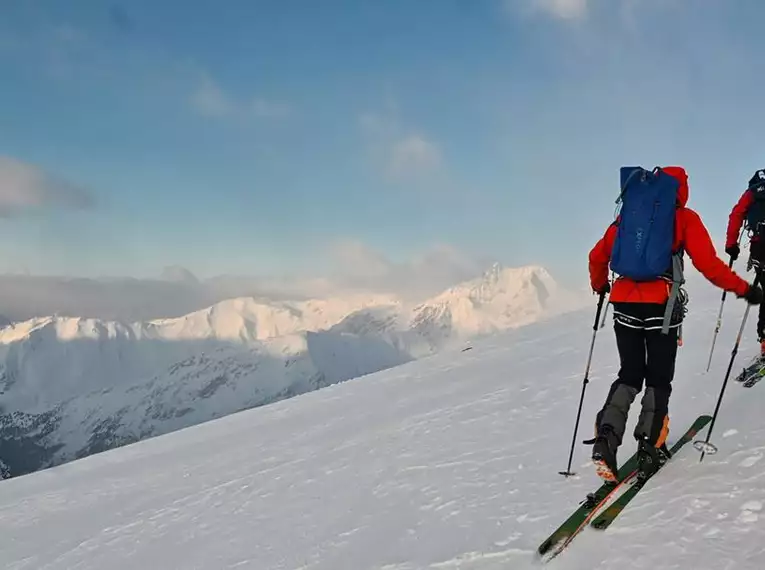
pixel 604 471
pixel 755 369
pixel 591 506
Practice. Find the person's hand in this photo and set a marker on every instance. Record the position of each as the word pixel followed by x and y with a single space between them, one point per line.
pixel 753 295
pixel 733 251
pixel 603 289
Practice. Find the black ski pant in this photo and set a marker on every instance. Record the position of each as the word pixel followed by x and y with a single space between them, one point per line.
pixel 757 257
pixel 761 321
pixel 647 357
pixel 761 312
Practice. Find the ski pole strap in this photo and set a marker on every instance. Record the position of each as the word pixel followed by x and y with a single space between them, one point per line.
pixel 677 280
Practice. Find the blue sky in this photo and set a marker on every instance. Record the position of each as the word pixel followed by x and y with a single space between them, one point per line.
pixel 277 137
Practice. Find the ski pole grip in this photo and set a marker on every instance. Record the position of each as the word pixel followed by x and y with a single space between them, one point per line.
pixel 601 298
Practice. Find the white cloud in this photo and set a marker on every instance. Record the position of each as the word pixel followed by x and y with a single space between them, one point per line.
pixel 355 265
pixel 348 266
pixel 571 9
pixel 24 186
pixel 414 154
pixel 567 9
pixel 563 9
pixel 358 260
pixel 211 100
pixel 401 152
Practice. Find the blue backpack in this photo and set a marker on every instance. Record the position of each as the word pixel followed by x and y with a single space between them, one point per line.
pixel 646 230
pixel 755 215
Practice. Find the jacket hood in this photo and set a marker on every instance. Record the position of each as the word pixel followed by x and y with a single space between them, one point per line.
pixel 679 173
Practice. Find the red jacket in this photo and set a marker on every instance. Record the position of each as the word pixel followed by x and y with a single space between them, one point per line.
pixel 736 218
pixel 690 233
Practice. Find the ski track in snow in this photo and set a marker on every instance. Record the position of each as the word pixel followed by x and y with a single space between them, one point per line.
pixel 447 462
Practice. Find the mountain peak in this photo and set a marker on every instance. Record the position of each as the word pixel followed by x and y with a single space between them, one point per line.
pixel 501 298
pixel 493 273
pixel 498 270
pixel 497 280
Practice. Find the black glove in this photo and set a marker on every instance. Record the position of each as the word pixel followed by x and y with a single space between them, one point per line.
pixel 604 290
pixel 753 295
pixel 733 251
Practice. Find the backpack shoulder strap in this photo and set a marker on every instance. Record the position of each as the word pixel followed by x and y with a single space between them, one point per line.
pixel 678 275
pixel 678 279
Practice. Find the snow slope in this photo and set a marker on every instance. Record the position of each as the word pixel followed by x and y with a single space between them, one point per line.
pixel 66 415
pixel 446 462
pixel 71 386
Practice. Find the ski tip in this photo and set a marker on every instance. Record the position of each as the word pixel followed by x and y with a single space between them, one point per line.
pixel 548 550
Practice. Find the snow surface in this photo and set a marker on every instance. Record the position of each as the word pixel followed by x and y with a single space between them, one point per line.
pixel 73 386
pixel 445 462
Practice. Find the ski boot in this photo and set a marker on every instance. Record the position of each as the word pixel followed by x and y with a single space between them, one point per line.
pixel 650 458
pixel 664 454
pixel 604 449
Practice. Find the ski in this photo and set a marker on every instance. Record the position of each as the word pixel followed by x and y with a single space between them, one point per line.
pixel 752 372
pixel 753 378
pixel 588 508
pixel 608 515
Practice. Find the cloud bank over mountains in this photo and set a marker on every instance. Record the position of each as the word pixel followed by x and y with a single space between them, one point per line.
pixel 349 267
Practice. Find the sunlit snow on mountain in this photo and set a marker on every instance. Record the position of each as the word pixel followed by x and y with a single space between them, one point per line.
pixel 70 387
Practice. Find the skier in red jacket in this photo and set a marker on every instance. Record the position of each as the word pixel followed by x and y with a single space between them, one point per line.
pixel 645 353
pixel 750 208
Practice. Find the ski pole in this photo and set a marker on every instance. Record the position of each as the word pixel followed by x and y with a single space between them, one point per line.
pixel 719 322
pixel 567 472
pixel 605 314
pixel 704 446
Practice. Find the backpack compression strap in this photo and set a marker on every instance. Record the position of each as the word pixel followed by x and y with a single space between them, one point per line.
pixel 678 279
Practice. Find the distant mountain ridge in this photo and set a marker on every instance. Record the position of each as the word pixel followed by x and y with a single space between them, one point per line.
pixel 72 386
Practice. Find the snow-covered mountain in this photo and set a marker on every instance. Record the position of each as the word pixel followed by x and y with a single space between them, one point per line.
pixel 500 299
pixel 449 462
pixel 70 387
